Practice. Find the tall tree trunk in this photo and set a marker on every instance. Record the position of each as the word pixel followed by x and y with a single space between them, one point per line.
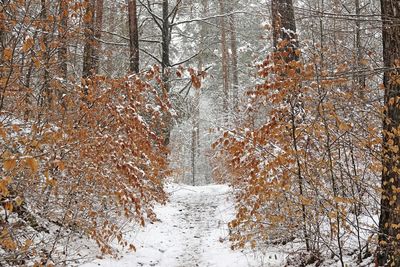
pixel 193 148
pixel 46 95
pixel 284 26
pixel 98 25
pixel 112 27
pixel 133 37
pixel 3 34
pixel 359 52
pixel 166 40
pixel 196 116
pixel 63 47
pixel 165 64
pixel 234 63
pixel 225 59
pixel 28 76
pixel 62 33
pixel 388 253
pixel 88 19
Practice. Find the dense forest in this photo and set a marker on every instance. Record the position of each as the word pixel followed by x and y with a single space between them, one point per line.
pixel 294 104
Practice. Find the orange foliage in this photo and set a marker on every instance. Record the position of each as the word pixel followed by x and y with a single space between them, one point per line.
pixel 307 155
pixel 77 157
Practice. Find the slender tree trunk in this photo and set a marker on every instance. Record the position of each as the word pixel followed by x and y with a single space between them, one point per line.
pixel 196 110
pixel 97 34
pixel 133 37
pixel 109 67
pixel 359 52
pixel 388 253
pixel 333 177
pixel 166 40
pixel 165 64
pixel 300 179
pixel 355 193
pixel 88 19
pixel 63 47
pixel 28 76
pixel 46 95
pixel 3 35
pixel 193 152
pixel 203 36
pixel 284 26
pixel 225 59
pixel 62 33
pixel 234 62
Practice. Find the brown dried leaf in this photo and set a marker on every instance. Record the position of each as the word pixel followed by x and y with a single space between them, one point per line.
pixel 32 164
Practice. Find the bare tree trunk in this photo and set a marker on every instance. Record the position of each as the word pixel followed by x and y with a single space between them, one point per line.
pixel 166 40
pixel 196 109
pixel 28 76
pixel 63 47
pixel 333 177
pixel 225 59
pixel 3 35
pixel 46 94
pixel 234 63
pixel 284 28
pixel 88 62
pixel 193 152
pixel 133 37
pixel 109 67
pixel 62 32
pixel 359 52
pixel 97 34
pixel 388 253
pixel 284 25
pixel 165 63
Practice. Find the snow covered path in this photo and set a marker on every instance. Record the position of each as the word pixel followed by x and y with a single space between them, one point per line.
pixel 192 232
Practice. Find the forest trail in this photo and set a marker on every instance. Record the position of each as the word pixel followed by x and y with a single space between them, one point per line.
pixel 192 232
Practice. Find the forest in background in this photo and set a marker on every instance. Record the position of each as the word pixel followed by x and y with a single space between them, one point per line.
pixel 294 104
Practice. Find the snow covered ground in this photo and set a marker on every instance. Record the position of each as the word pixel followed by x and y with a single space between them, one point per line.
pixel 192 232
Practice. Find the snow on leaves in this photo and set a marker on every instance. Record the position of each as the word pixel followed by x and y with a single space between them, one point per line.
pixel 82 168
pixel 301 160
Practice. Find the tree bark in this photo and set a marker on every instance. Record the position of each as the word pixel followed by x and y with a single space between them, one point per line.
pixel 88 62
pixel 46 95
pixel 195 153
pixel 133 37
pixel 284 26
pixel 388 253
pixel 166 40
pixel 225 58
pixel 165 64
pixel 359 51
pixel 97 34
pixel 62 32
pixel 284 30
pixel 3 33
pixel 112 27
pixel 234 62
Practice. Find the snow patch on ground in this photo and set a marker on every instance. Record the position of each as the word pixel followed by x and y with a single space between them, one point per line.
pixel 192 231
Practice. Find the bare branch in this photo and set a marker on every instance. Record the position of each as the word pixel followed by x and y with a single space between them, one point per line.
pixel 155 17
pixel 188 59
pixel 174 11
pixel 208 18
pixel 152 56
